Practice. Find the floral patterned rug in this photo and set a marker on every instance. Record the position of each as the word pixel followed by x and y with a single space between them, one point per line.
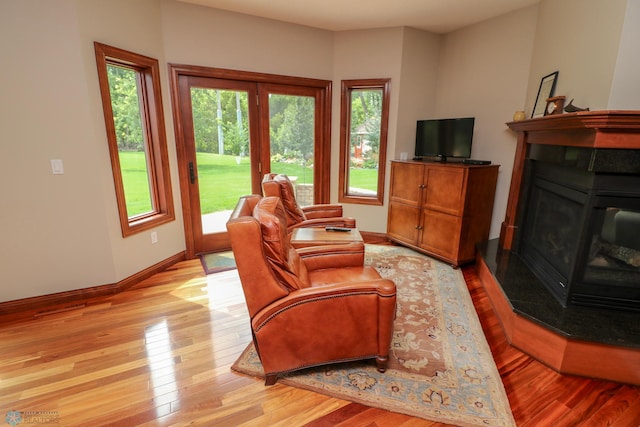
pixel 441 367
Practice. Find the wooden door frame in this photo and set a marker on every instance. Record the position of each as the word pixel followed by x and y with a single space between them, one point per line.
pixel 202 242
pixel 322 168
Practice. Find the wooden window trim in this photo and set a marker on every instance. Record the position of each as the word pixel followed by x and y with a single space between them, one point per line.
pixel 155 137
pixel 345 123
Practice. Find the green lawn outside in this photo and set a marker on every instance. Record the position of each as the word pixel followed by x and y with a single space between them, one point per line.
pixel 366 179
pixel 133 165
pixel 221 178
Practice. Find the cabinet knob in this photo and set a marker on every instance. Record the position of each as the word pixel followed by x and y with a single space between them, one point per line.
pixel 421 186
pixel 418 227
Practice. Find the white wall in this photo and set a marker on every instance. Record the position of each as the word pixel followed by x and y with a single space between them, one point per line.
pixel 196 35
pixel 417 88
pixel 580 39
pixel 484 71
pixel 54 228
pixel 361 55
pixel 134 26
pixel 625 89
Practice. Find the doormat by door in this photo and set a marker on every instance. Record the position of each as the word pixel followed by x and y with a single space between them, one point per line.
pixel 217 261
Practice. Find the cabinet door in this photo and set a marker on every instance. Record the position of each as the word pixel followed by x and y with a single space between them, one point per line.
pixel 402 223
pixel 445 189
pixel 407 183
pixel 441 234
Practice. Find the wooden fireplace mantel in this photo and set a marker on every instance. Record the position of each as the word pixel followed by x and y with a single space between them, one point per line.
pixel 599 125
pixel 591 129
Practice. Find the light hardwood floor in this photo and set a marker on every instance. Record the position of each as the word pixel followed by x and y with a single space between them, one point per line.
pixel 160 354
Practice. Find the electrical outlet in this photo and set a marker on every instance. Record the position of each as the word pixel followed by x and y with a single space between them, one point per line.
pixel 154 237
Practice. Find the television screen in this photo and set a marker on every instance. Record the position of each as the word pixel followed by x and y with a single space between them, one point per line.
pixel 444 138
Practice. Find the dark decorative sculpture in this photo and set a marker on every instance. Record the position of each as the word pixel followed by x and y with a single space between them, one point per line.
pixel 570 108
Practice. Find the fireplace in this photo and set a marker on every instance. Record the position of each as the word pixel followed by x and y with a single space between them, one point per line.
pixel 563 276
pixel 580 224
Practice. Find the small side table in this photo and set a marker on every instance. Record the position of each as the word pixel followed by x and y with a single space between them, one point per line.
pixel 317 236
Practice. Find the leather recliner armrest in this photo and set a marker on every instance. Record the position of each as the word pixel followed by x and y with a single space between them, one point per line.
pixel 383 288
pixel 332 256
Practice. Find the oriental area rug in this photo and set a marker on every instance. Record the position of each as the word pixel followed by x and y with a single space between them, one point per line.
pixel 440 369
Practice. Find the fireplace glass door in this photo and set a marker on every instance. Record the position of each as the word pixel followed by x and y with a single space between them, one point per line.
pixel 552 234
pixel 612 268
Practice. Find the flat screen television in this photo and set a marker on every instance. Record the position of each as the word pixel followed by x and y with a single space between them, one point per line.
pixel 444 138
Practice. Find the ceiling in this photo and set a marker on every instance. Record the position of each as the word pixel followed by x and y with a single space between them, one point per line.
pixel 437 16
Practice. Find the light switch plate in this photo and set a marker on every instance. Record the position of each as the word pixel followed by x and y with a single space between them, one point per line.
pixel 56 167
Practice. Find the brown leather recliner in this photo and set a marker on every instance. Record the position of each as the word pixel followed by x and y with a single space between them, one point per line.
pixel 311 306
pixel 321 215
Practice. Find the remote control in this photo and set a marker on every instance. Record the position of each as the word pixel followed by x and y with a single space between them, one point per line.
pixel 342 229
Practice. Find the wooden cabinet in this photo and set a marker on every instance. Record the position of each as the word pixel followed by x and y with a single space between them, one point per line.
pixel 441 209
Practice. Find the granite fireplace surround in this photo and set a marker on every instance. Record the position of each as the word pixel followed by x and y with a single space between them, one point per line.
pixel 587 339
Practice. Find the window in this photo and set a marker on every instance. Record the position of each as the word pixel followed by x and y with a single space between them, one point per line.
pixel 132 104
pixel 364 118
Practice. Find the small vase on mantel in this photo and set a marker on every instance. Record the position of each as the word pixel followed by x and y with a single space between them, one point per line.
pixel 519 115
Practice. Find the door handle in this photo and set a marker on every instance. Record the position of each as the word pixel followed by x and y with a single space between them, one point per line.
pixel 192 174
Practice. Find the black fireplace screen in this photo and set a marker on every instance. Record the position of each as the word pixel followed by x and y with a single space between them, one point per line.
pixel 552 231
pixel 555 230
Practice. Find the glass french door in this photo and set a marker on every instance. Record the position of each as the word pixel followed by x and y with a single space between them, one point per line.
pixel 220 138
pixel 292 135
pixel 232 133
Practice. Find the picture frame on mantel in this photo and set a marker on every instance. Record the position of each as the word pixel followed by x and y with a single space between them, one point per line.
pixel 546 90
